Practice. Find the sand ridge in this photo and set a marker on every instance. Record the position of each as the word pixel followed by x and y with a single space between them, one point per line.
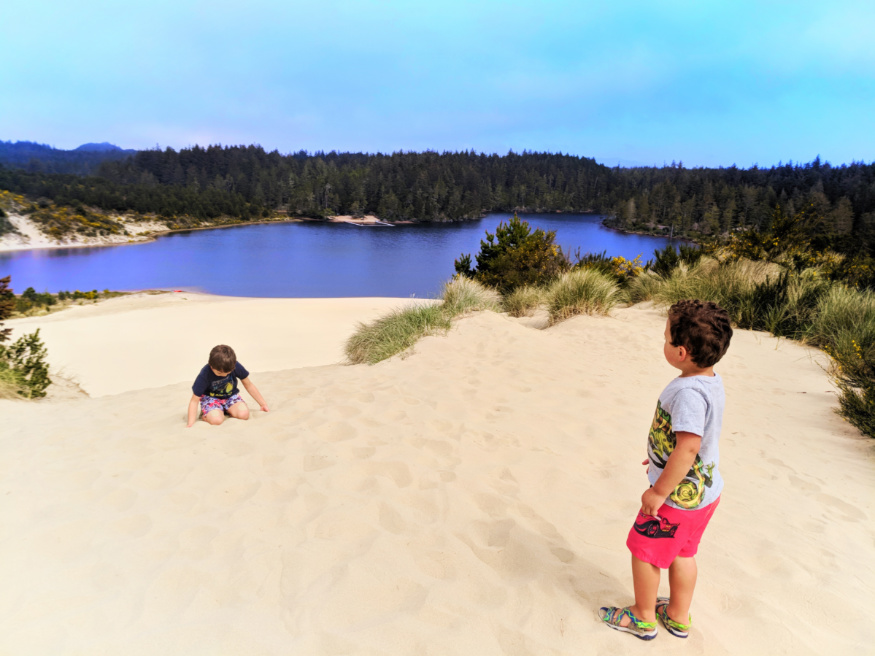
pixel 470 498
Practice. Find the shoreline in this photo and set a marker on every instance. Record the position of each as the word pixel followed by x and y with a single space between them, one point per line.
pixel 367 220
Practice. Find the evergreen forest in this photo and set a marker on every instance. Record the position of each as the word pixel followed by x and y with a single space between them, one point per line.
pixel 836 204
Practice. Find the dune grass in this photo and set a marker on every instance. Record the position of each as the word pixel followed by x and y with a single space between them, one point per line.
pixel 582 291
pixel 395 333
pixel 462 295
pixel 402 328
pixel 803 305
pixel 523 301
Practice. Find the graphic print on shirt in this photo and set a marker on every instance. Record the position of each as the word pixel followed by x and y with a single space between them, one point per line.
pixel 662 441
pixel 222 388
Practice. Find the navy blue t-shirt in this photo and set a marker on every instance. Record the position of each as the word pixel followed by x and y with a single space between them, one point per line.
pixel 220 387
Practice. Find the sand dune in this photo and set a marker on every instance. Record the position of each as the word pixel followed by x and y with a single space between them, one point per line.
pixel 471 498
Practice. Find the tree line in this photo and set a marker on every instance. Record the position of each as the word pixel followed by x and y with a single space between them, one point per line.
pixel 248 182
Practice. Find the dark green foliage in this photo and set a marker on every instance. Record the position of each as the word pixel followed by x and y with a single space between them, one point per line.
pixel 599 261
pixel 24 361
pixel 858 405
pixel 836 204
pixel 515 256
pixel 7 306
pixel 776 307
pixel 30 299
pixel 667 259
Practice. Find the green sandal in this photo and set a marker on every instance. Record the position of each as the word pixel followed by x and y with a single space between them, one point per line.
pixel 611 615
pixel 675 628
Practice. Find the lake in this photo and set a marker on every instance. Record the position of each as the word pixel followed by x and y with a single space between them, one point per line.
pixel 301 259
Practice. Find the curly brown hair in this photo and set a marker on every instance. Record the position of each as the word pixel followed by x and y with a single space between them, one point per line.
pixel 703 328
pixel 223 358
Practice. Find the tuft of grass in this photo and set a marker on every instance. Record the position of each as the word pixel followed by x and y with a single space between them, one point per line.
pixel 643 287
pixel 584 291
pixel 523 301
pixel 395 333
pixel 728 284
pixel 462 295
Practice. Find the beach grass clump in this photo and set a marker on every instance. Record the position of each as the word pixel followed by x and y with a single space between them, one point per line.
pixel 583 291
pixel 643 287
pixel 729 284
pixel 523 301
pixel 844 326
pixel 395 333
pixel 462 295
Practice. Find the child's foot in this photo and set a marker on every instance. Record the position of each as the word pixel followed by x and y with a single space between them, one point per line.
pixel 622 619
pixel 673 627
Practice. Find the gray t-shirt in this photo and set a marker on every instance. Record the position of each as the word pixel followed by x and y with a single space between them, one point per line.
pixel 694 405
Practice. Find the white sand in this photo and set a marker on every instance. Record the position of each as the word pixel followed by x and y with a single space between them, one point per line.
pixel 472 498
pixel 29 236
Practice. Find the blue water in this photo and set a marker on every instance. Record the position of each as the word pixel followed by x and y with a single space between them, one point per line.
pixel 300 259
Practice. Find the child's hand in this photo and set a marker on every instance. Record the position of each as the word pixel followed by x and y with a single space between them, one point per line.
pixel 651 502
pixel 264 407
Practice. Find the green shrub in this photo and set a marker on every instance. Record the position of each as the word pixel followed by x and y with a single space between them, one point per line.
pixel 394 333
pixel 623 271
pixel 586 291
pixel 24 366
pixel 30 299
pixel 462 295
pixel 667 260
pixel 515 256
pixel 858 405
pixel 523 301
pixel 7 305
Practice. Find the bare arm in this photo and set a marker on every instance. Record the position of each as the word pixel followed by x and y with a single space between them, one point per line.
pixel 677 467
pixel 253 391
pixel 193 406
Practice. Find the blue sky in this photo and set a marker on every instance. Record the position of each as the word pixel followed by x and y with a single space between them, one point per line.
pixel 709 83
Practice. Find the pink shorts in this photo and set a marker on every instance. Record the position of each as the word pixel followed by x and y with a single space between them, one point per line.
pixel 675 533
pixel 210 403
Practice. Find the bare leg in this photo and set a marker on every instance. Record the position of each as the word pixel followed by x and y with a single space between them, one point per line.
pixel 682 581
pixel 214 417
pixel 239 410
pixel 645 578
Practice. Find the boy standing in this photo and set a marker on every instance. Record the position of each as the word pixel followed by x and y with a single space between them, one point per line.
pixel 215 389
pixel 685 484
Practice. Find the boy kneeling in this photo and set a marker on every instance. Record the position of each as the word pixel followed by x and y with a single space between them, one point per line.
pixel 215 389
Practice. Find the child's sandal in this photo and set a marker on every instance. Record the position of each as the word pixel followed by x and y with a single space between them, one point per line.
pixel 611 615
pixel 675 628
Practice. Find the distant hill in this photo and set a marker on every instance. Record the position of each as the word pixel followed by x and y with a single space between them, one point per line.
pixel 40 158
pixel 100 147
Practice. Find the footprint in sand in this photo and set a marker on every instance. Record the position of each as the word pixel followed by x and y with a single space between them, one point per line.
pixel 135 526
pixel 391 520
pixel 120 500
pixel 398 472
pixel 335 431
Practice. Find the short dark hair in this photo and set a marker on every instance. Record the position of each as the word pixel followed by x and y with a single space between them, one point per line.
pixel 223 358
pixel 703 328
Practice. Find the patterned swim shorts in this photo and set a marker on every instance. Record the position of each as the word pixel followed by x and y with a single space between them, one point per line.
pixel 659 541
pixel 209 403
